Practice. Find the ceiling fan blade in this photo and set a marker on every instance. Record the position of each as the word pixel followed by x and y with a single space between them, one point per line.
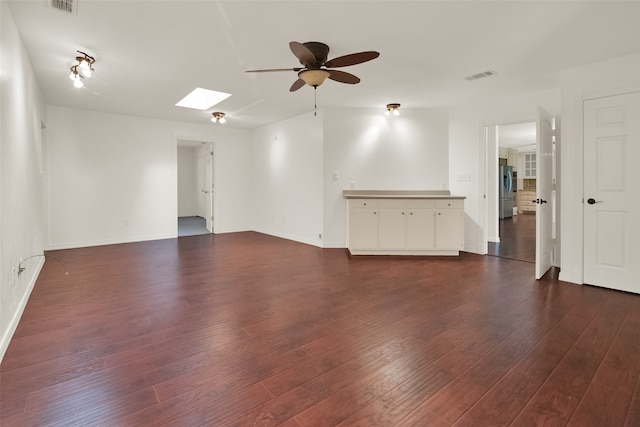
pixel 303 53
pixel 342 77
pixel 297 85
pixel 271 70
pixel 352 59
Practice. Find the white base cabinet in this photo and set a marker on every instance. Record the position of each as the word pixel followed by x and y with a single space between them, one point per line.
pixel 405 226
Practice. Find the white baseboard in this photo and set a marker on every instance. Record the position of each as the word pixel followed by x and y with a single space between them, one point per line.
pixel 15 319
pixel 86 244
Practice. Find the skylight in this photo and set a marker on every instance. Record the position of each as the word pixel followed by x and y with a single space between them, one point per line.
pixel 202 99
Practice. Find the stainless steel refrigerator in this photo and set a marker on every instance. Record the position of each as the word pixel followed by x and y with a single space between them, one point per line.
pixel 505 192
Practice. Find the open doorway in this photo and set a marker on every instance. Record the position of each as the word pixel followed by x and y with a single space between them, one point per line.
pixel 195 188
pixel 515 235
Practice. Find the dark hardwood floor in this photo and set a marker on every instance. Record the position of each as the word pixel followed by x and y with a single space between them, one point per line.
pixel 250 330
pixel 517 238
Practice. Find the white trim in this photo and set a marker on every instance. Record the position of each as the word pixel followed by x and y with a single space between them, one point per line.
pixel 595 94
pixel 104 242
pixel 291 237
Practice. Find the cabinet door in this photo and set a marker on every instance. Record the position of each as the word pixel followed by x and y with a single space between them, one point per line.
pixel 530 165
pixel 449 229
pixel 421 225
pixel 391 228
pixel 363 228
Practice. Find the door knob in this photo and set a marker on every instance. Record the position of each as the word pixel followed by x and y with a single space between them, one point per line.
pixel 593 201
pixel 540 201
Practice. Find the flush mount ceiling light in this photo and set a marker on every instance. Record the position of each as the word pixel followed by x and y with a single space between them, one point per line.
pixel 76 77
pixel 202 99
pixel 392 109
pixel 218 117
pixel 85 64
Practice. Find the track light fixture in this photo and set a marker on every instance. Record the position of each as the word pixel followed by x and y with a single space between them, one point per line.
pixel 76 77
pixel 392 109
pixel 218 117
pixel 85 63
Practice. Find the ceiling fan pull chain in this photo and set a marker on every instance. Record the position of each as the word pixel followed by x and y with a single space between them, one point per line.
pixel 315 101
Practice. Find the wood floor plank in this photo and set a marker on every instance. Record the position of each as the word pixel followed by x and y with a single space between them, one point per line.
pixel 293 402
pixel 556 400
pixel 392 407
pixel 367 391
pixel 248 329
pixel 633 414
pixel 609 395
pixel 502 403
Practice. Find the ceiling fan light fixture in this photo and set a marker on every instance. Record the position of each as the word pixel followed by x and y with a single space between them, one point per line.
pixel 393 109
pixel 218 117
pixel 314 77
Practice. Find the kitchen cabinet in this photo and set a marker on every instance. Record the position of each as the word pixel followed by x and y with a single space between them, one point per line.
pixel 392 225
pixel 529 165
pixel 363 217
pixel 512 158
pixel 421 229
pixel 405 226
pixel 526 201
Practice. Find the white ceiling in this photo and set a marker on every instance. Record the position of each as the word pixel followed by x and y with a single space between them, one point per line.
pixel 152 53
pixel 517 135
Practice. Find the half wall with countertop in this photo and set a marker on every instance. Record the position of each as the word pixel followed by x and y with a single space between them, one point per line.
pixel 404 222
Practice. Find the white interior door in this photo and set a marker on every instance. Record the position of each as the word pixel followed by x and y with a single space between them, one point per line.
pixel 544 189
pixel 611 192
pixel 201 187
pixel 208 183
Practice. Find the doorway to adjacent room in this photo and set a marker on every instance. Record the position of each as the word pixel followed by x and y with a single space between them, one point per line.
pixel 516 182
pixel 195 188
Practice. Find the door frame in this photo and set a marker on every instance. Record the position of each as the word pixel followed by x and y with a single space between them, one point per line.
pixel 587 97
pixel 571 180
pixel 489 182
pixel 489 146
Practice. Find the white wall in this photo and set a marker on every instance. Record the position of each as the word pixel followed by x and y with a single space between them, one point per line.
pixel 369 150
pixel 22 223
pixel 188 191
pixel 467 167
pixel 120 184
pixel 287 178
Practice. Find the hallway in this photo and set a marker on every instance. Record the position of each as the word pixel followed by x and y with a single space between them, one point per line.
pixel 517 238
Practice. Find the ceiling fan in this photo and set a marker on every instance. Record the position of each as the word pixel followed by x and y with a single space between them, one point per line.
pixel 316 69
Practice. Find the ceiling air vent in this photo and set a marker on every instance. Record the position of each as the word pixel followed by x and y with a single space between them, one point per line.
pixel 68 6
pixel 481 75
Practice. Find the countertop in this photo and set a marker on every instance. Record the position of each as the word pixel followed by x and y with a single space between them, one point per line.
pixel 399 194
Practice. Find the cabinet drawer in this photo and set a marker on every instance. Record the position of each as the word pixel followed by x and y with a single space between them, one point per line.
pixel 363 203
pixel 421 204
pixel 391 203
pixel 453 204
